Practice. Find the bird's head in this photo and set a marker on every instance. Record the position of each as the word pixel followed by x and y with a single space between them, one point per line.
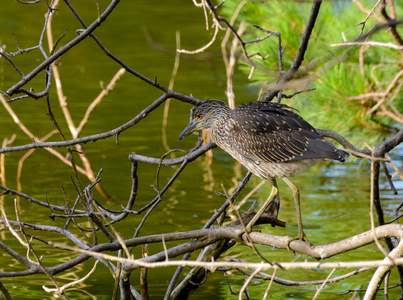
pixel 204 116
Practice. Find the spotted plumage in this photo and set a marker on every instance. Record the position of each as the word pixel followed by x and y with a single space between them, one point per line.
pixel 268 138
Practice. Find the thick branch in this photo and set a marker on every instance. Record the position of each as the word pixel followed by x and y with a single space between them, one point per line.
pixel 208 236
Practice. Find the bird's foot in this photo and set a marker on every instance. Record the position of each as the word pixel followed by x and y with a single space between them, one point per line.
pixel 301 236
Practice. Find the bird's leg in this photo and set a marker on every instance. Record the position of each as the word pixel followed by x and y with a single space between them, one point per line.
pixel 272 196
pixel 295 192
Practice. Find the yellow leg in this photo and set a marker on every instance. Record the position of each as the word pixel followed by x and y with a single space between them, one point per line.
pixel 272 196
pixel 295 192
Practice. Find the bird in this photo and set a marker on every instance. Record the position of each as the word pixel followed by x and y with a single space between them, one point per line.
pixel 269 138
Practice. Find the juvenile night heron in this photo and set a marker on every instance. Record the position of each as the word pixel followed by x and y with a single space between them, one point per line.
pixel 268 138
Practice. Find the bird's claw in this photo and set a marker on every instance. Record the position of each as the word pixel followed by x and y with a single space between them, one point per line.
pixel 301 237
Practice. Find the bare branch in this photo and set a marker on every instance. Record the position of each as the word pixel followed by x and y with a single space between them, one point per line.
pixel 16 88
pixel 299 57
pixel 379 44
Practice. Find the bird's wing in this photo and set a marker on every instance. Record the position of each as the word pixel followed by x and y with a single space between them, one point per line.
pixel 271 132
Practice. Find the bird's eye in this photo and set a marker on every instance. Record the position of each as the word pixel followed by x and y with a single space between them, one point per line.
pixel 199 116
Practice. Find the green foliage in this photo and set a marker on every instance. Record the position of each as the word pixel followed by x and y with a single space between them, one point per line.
pixel 334 72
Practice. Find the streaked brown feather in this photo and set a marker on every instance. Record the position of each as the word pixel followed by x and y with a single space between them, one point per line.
pixel 268 138
pixel 273 133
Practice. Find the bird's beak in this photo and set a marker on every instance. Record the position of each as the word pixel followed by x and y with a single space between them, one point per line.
pixel 189 129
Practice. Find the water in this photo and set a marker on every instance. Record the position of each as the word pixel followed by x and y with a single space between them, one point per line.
pixel 335 197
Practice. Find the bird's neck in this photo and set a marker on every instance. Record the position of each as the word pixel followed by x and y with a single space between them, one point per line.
pixel 220 128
